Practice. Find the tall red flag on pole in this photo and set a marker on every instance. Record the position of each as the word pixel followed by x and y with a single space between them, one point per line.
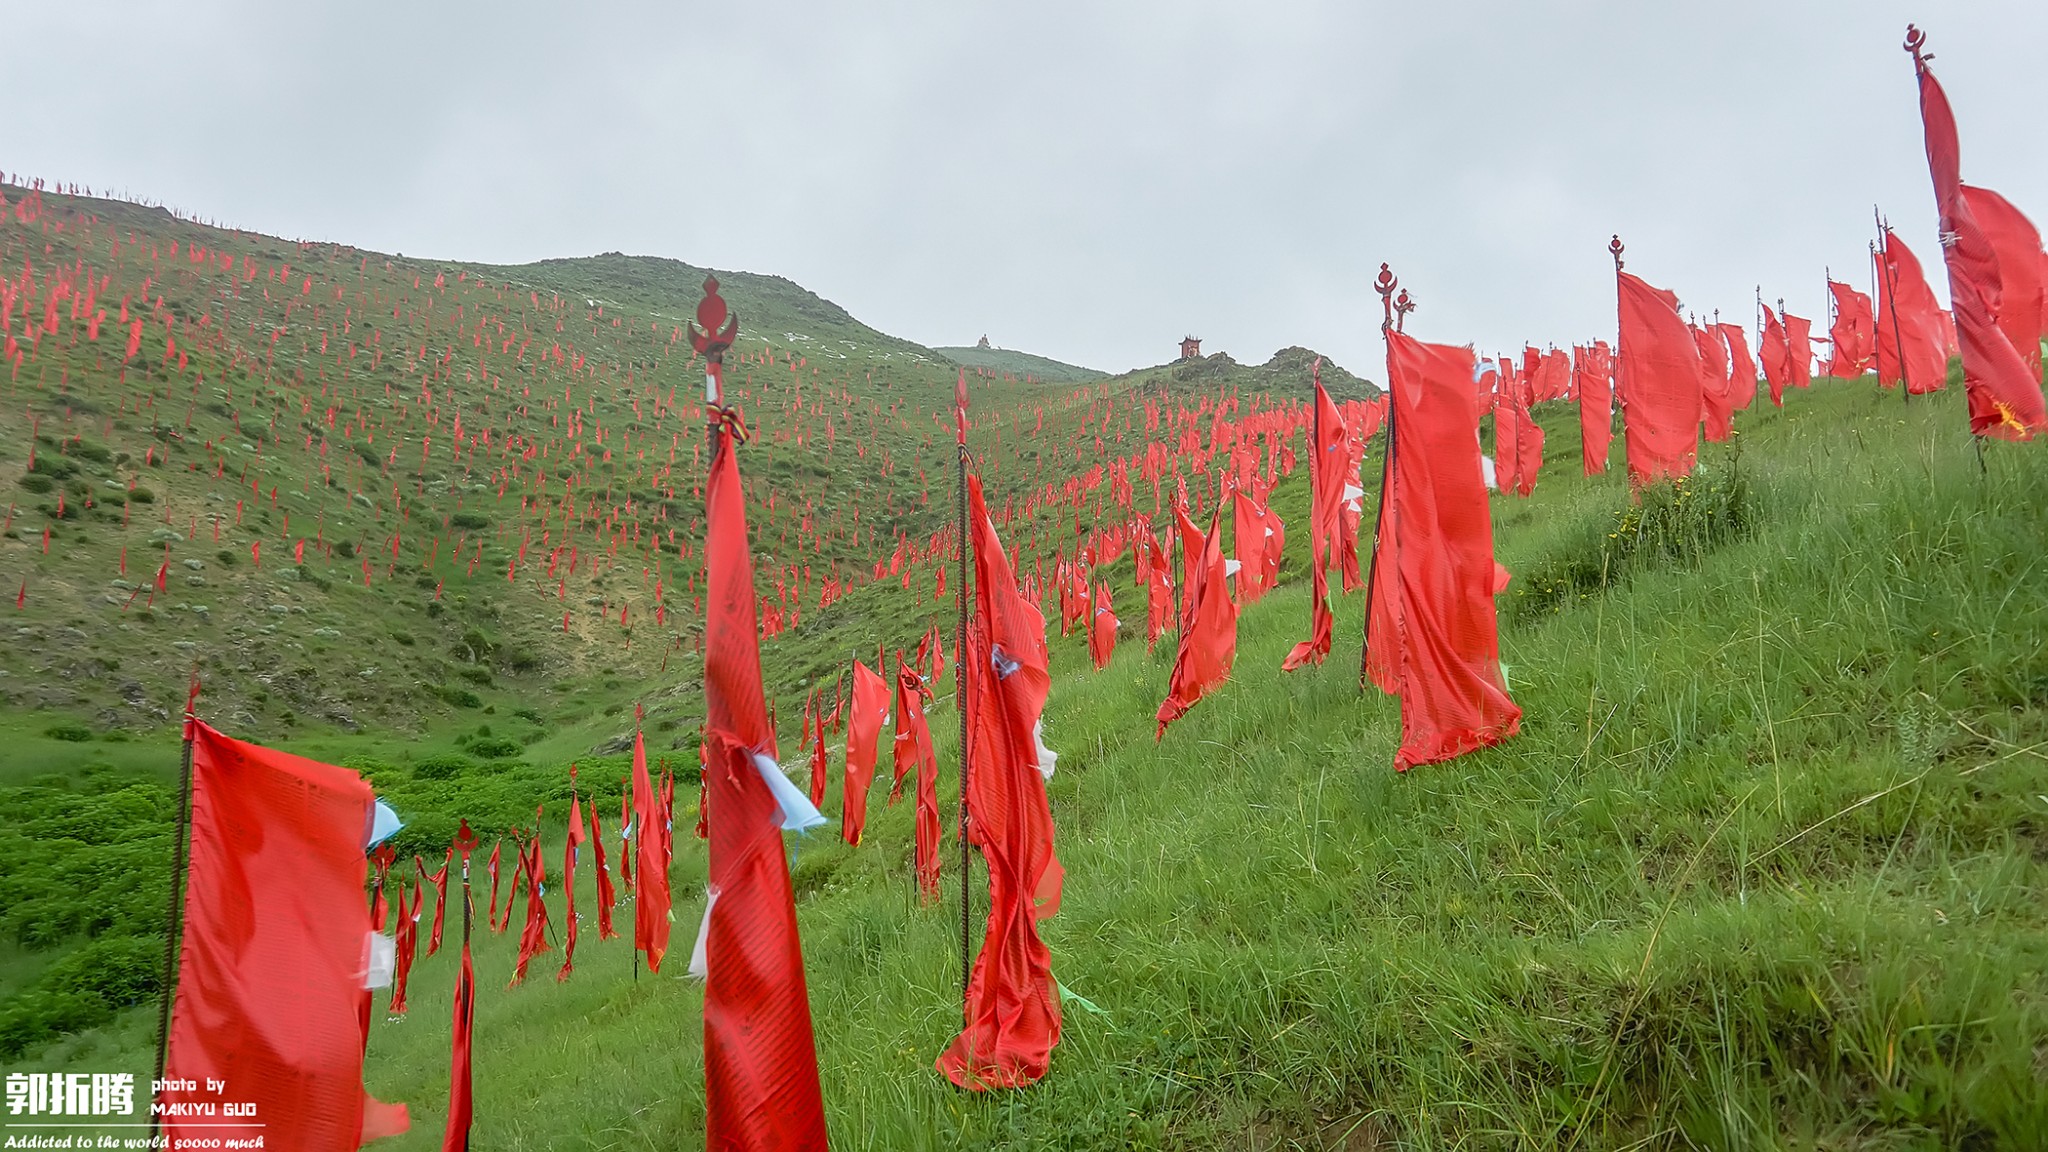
pixel 1208 633
pixel 650 879
pixel 1327 476
pixel 760 1055
pixel 1658 377
pixel 1013 1003
pixel 270 968
pixel 455 1135
pixel 2004 395
pixel 1431 632
pixel 1596 407
pixel 863 745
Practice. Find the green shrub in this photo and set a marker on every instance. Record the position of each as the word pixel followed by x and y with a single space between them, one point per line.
pixel 73 733
pixel 1666 524
pixel 495 747
pixel 461 697
pixel 346 549
pixel 469 521
pixel 226 558
pixel 474 646
pixel 443 766
pixel 37 483
pixel 481 677
pixel 140 495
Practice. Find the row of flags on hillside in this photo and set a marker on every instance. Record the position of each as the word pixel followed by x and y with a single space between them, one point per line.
pixel 270 986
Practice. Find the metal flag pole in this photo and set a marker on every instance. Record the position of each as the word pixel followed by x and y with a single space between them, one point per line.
pixel 1877 365
pixel 181 846
pixel 961 673
pixel 465 988
pixel 1891 295
pixel 1384 285
pixel 714 330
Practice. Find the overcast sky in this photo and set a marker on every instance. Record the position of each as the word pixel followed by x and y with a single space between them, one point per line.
pixel 1089 181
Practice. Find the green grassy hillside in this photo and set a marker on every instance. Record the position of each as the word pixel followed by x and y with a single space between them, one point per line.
pixel 1764 867
pixel 1019 365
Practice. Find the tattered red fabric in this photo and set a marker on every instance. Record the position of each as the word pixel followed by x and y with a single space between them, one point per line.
pixel 571 849
pixel 1741 368
pixel 1657 373
pixel 270 970
pixel 817 731
pixel 1248 534
pixel 1717 401
pixel 533 938
pixel 760 1054
pixel 1852 336
pixel 1432 636
pixel 1325 525
pixel 650 878
pixel 2022 295
pixel 1507 432
pixel 1798 348
pixel 912 750
pixel 491 910
pixel 1013 1003
pixel 1528 442
pixel 606 897
pixel 1158 592
pixel 440 882
pixel 461 1102
pixel 1102 626
pixel 406 947
pixel 863 745
pixel 2003 394
pixel 1208 633
pixel 1596 409
pixel 1911 337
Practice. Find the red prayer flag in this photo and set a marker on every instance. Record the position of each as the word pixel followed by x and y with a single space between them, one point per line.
pixel 1432 636
pixel 760 1056
pixel 1013 1004
pixel 1657 374
pixel 1208 633
pixel 2022 294
pixel 270 974
pixel 2004 395
pixel 863 738
pixel 1596 407
pixel 1911 339
pixel 1852 336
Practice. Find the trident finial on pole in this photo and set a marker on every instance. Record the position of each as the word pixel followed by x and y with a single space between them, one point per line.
pixel 714 331
pixel 1915 41
pixel 1614 249
pixel 1384 285
pixel 1403 305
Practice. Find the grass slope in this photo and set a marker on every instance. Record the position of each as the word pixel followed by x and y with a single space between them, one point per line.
pixel 1764 867
pixel 1009 362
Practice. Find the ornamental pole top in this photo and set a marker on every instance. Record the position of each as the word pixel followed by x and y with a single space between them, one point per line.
pixel 1384 285
pixel 1916 41
pixel 716 326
